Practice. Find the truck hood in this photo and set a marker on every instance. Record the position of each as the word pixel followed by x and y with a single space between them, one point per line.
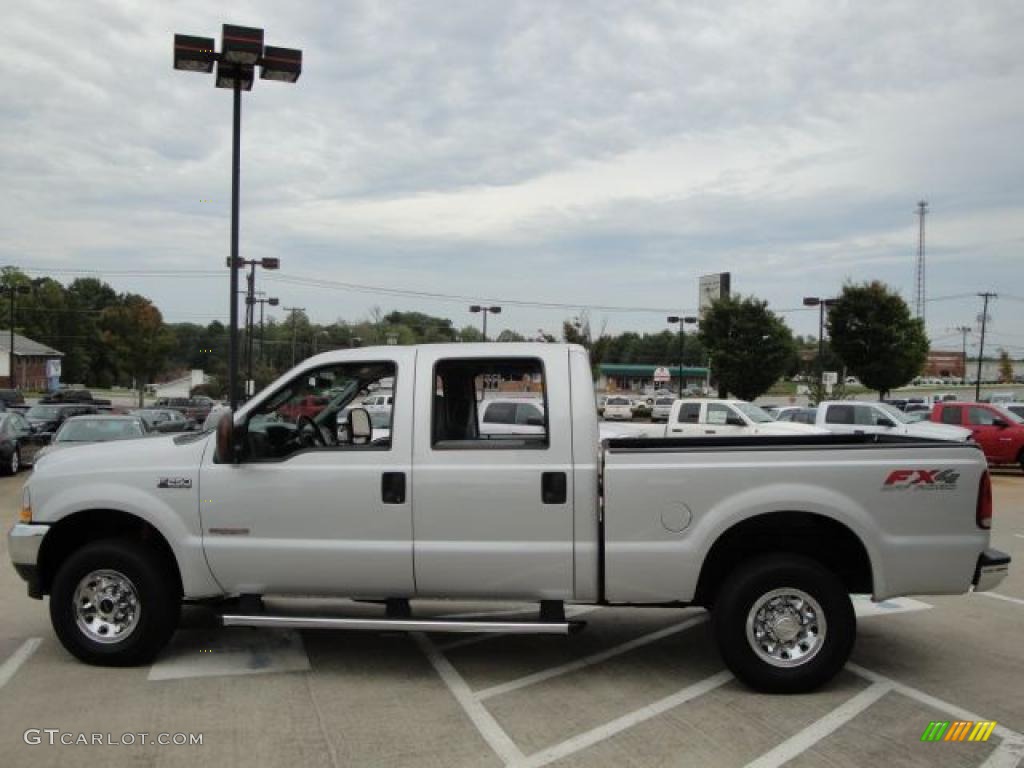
pixel 144 452
pixel 935 431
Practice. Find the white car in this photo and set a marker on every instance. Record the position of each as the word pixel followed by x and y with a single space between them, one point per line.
pixel 617 408
pixel 662 408
pixel 508 416
pixel 727 418
pixel 851 416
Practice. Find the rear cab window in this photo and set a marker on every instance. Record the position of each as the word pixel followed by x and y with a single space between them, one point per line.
pixel 462 419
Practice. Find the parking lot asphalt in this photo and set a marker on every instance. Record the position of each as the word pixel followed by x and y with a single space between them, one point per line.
pixel 639 687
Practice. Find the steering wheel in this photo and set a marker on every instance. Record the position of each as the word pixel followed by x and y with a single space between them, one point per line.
pixel 314 435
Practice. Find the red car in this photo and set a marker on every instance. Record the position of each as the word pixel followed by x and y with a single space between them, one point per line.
pixel 999 432
pixel 309 406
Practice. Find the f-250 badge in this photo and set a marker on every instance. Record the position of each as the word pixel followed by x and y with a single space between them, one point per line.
pixel 921 479
pixel 174 482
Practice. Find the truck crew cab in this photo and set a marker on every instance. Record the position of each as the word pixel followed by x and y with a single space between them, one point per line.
pixel 771 534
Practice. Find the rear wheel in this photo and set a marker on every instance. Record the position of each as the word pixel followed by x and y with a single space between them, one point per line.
pixel 114 603
pixel 13 464
pixel 784 624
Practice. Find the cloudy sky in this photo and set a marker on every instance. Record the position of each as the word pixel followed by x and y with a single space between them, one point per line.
pixel 568 153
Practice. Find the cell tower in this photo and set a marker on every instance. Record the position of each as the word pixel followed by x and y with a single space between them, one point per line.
pixel 919 293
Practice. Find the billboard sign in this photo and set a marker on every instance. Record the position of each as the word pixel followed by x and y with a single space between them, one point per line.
pixel 711 288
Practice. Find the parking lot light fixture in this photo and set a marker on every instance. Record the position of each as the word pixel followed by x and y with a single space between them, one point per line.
pixel 476 308
pixel 241 51
pixel 823 304
pixel 683 321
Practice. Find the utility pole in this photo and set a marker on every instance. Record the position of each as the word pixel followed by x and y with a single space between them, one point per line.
pixel 293 310
pixel 919 295
pixel 250 322
pixel 981 347
pixel 963 330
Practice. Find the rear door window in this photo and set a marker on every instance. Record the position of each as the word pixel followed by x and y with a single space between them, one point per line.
pixel 689 413
pixel 951 414
pixel 527 413
pixel 839 414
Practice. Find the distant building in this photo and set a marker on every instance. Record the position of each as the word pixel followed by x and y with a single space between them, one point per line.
pixel 638 377
pixel 36 366
pixel 944 364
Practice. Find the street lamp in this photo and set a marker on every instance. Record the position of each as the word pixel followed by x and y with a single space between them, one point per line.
pixel 683 321
pixel 11 291
pixel 485 310
pixel 822 304
pixel 242 50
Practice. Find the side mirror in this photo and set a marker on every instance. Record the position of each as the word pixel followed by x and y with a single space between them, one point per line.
pixel 732 421
pixel 534 421
pixel 226 439
pixel 886 423
pixel 360 429
pixel 1001 423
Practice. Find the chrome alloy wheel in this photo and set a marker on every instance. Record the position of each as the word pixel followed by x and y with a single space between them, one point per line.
pixel 106 606
pixel 786 627
pixel 15 464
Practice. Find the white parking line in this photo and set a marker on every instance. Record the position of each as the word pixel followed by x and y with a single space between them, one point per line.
pixel 13 662
pixel 488 727
pixel 997 596
pixel 934 702
pixel 1007 755
pixel 594 658
pixel 802 741
pixel 606 731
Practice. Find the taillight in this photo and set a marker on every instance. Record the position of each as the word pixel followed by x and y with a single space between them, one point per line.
pixel 984 511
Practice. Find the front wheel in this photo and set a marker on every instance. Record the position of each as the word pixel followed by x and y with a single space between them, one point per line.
pixel 784 624
pixel 13 465
pixel 114 603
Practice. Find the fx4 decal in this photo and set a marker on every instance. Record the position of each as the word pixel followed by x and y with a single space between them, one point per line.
pixel 174 482
pixel 921 479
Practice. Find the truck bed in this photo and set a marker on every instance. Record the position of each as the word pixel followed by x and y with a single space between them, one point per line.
pixel 668 500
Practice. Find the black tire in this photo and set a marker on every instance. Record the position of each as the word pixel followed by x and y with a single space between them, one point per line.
pixel 12 463
pixel 159 604
pixel 751 582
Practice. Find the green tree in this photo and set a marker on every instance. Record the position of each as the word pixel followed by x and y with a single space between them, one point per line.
pixel 874 334
pixel 750 346
pixel 135 331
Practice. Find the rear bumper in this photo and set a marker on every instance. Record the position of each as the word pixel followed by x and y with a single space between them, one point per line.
pixel 992 568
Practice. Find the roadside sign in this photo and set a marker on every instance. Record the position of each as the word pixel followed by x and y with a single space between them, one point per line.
pixel 662 375
pixel 829 378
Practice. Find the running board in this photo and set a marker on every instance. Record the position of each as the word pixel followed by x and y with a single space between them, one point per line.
pixel 404 625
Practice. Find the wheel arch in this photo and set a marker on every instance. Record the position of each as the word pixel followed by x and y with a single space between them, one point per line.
pixel 83 527
pixel 824 539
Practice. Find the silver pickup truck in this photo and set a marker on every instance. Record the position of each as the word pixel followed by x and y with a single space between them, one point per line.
pixel 771 534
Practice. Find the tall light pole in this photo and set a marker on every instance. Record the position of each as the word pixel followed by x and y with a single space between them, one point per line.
pixel 485 311
pixel 241 51
pixel 963 330
pixel 11 291
pixel 822 304
pixel 683 321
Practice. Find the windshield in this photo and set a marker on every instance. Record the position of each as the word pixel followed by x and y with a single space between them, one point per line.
pixel 664 401
pixel 43 412
pixel 753 412
pixel 98 430
pixel 895 413
pixel 617 401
